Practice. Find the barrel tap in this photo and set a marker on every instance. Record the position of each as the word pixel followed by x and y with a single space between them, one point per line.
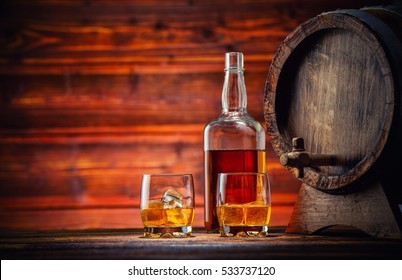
pixel 299 158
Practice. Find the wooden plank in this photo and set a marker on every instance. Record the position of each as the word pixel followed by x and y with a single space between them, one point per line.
pixel 71 219
pixel 119 134
pixel 108 91
pixel 128 244
pixel 65 202
pixel 131 91
pixel 125 100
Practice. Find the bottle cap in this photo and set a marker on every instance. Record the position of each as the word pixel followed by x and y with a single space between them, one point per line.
pixel 234 61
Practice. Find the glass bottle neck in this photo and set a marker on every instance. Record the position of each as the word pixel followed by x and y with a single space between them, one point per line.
pixel 234 94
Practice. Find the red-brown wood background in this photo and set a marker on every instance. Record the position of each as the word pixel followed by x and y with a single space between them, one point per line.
pixel 95 93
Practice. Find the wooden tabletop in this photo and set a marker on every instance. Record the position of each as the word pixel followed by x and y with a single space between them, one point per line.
pixel 129 244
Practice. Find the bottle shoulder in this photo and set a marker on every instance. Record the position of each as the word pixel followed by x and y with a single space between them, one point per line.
pixel 233 122
pixel 234 132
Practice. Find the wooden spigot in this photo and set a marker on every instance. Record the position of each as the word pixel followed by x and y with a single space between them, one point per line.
pixel 299 158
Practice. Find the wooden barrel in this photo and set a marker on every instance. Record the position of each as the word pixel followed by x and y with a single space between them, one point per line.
pixel 336 81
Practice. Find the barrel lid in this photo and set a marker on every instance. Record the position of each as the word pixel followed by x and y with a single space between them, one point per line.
pixel 332 82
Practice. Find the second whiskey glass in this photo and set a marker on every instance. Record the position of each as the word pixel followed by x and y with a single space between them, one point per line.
pixel 243 204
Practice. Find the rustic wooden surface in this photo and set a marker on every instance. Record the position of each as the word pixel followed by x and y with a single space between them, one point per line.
pixel 129 244
pixel 367 210
pixel 95 93
pixel 335 82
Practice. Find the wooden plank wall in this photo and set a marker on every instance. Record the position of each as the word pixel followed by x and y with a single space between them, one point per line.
pixel 95 93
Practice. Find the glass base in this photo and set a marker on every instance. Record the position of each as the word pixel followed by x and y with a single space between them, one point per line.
pixel 244 231
pixel 167 232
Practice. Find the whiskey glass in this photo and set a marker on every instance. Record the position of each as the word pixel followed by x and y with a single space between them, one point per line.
pixel 243 204
pixel 167 205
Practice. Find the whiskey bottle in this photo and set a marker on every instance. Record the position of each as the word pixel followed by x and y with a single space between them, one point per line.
pixel 235 142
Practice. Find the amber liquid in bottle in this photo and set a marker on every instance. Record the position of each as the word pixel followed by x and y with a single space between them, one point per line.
pixel 226 161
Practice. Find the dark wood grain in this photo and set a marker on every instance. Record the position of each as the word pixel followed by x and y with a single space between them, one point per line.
pixel 368 210
pixel 128 244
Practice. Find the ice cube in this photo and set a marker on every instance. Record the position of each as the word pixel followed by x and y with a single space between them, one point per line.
pixel 155 204
pixel 172 199
pixel 187 202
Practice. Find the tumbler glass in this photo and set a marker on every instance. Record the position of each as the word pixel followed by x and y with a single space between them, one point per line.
pixel 243 204
pixel 167 205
